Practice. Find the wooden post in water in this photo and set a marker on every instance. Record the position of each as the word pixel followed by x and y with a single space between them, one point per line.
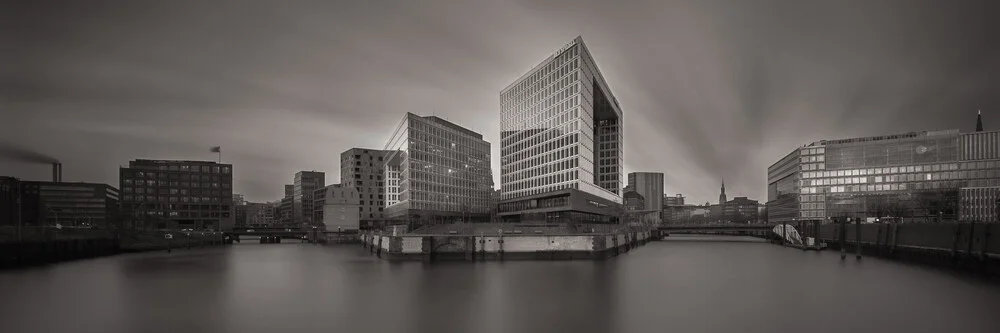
pixel 816 233
pixel 857 238
pixel 843 238
pixel 972 239
pixel 784 226
pixel 878 239
pixel 954 242
pixel 986 242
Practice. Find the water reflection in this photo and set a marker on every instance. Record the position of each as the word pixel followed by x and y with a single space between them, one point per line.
pixel 676 286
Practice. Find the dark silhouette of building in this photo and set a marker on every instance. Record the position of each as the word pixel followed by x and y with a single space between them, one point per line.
pixel 979 121
pixel 19 203
pixel 722 192
pixel 178 194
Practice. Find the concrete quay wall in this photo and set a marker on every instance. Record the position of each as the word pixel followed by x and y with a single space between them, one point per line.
pixel 965 246
pixel 503 247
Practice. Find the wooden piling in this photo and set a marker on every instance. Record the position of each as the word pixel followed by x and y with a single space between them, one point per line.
pixel 857 238
pixel 972 239
pixel 843 238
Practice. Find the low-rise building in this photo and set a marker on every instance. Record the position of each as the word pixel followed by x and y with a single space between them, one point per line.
pixel 340 208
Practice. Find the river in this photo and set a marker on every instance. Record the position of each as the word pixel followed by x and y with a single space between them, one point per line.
pixel 675 286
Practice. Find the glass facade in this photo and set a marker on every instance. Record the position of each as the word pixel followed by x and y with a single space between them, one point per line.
pixel 437 169
pixel 561 129
pixel 912 176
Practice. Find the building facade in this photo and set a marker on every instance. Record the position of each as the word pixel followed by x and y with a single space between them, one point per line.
pixel 260 214
pixel 19 203
pixel 740 210
pixel 284 211
pixel 306 183
pixel 909 177
pixel 561 132
pixel 75 204
pixel 340 206
pixel 363 169
pixel 436 172
pixel 178 194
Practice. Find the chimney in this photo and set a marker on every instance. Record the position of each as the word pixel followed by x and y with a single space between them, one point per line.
pixel 57 172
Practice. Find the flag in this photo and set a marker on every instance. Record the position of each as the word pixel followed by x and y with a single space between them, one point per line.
pixel 216 149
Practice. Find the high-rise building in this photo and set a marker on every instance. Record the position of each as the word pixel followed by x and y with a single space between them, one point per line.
pixel 909 177
pixel 650 186
pixel 178 194
pixel 561 142
pixel 436 172
pixel 306 183
pixel 289 190
pixel 363 169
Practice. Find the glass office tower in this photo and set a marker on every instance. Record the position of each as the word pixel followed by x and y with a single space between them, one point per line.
pixel 910 177
pixel 436 172
pixel 561 137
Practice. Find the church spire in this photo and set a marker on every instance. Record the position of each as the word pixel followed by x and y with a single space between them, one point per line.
pixel 979 121
pixel 722 195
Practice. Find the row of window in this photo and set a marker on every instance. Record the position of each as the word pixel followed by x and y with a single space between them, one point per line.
pixel 193 168
pixel 565 98
pixel 900 169
pixel 531 82
pixel 172 199
pixel 540 190
pixel 926 185
pixel 551 82
pixel 531 167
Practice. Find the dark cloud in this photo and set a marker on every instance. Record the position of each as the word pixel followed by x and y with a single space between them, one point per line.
pixel 709 89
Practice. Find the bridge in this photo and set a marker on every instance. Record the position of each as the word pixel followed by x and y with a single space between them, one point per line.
pixel 296 232
pixel 716 228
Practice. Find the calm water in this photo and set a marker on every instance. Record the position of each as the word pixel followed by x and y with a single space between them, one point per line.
pixel 663 286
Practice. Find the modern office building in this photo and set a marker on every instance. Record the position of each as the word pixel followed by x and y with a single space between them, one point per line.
pixel 436 172
pixel 650 186
pixel 363 169
pixel 306 183
pixel 178 194
pixel 289 190
pixel 75 204
pixel 561 142
pixel 340 206
pixel 908 177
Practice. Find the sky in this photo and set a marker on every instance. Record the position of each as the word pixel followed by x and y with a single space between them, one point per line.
pixel 708 89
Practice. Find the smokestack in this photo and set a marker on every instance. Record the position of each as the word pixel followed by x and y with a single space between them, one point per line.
pixel 57 172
